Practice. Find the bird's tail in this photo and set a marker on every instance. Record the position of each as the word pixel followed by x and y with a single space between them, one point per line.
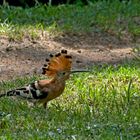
pixel 22 92
pixel 3 95
pixel 9 93
pixel 29 92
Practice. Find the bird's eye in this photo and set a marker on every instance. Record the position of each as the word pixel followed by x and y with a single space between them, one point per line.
pixel 63 73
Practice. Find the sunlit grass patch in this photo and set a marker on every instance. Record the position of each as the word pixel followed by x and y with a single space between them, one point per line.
pixel 117 18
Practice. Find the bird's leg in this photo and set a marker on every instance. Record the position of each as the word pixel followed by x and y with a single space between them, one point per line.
pixel 45 105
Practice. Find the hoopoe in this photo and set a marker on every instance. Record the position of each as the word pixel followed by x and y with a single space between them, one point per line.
pixel 58 68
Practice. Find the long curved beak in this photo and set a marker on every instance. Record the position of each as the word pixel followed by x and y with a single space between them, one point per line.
pixel 76 71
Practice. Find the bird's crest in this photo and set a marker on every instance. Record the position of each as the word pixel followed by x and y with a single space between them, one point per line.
pixel 57 63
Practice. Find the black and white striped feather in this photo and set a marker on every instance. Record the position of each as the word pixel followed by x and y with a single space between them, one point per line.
pixel 30 92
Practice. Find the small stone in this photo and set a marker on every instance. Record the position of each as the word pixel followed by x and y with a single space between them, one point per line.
pixel 78 61
pixel 79 51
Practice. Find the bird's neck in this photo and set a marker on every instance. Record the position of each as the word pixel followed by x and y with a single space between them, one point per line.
pixel 58 80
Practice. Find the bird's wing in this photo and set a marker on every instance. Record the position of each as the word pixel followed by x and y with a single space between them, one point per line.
pixel 32 91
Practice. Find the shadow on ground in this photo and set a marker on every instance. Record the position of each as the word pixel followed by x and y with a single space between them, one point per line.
pixel 19 58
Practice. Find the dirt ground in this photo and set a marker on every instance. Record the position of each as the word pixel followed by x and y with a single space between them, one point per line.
pixel 26 57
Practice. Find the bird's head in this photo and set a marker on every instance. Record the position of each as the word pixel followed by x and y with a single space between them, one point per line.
pixel 63 75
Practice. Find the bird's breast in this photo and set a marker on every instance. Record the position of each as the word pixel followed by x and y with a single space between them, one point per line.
pixel 56 91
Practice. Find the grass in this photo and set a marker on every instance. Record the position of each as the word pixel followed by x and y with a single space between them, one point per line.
pixel 102 105
pixel 117 18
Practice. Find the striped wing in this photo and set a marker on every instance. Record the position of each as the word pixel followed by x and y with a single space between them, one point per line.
pixel 29 92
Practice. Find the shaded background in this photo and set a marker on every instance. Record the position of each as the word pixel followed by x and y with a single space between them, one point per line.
pixel 30 3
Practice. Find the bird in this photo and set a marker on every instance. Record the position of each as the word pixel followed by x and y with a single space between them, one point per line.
pixel 58 70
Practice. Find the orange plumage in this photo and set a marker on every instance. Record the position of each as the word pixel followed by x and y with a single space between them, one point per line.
pixel 58 63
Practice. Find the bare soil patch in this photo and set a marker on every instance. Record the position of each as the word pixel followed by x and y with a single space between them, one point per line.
pixel 26 57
